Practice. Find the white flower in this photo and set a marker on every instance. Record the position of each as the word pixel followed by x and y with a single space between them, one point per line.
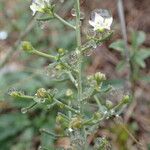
pixel 101 23
pixel 70 129
pixel 39 5
pixel 3 35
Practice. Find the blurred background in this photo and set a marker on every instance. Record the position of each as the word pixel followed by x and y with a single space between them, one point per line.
pixel 23 72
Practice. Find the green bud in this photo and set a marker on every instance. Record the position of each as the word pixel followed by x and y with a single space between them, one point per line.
pixel 41 93
pixel 126 99
pixel 109 104
pixel 59 67
pixel 16 94
pixel 59 119
pixel 61 124
pixel 97 115
pixel 76 122
pixel 61 51
pixel 27 46
pixel 61 105
pixel 69 93
pixel 97 77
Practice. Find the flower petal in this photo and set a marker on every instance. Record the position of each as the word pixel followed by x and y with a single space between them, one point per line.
pixel 100 23
pixel 98 18
pixel 92 23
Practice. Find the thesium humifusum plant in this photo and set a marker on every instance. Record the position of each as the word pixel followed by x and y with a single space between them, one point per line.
pixel 81 106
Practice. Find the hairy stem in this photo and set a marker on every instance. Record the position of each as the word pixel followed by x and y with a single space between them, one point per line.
pixel 50 133
pixel 73 80
pixel 43 54
pixel 78 38
pixel 124 34
pixel 130 78
pixel 66 106
pixel 64 21
pixel 56 101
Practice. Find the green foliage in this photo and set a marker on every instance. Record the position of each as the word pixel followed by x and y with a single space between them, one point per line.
pixel 17 122
pixel 137 55
pixel 118 45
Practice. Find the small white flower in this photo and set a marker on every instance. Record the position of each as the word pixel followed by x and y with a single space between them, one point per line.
pixel 70 129
pixel 39 5
pixel 101 23
pixel 3 35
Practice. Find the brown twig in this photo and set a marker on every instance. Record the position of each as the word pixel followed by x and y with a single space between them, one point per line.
pixel 16 44
pixel 130 84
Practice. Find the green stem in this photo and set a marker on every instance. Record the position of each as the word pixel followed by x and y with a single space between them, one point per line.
pixel 25 96
pixel 64 21
pixel 58 102
pixel 121 103
pixel 52 105
pixel 68 66
pixel 89 122
pixel 98 102
pixel 78 38
pixel 73 80
pixel 31 106
pixel 43 54
pixel 64 116
pixel 50 133
pixel 66 106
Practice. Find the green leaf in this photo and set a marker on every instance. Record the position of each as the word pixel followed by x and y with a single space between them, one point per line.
pixel 119 45
pixel 145 53
pixel 140 62
pixel 138 38
pixel 12 124
pixel 140 56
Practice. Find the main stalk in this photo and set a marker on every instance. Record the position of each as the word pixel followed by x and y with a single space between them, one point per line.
pixel 78 38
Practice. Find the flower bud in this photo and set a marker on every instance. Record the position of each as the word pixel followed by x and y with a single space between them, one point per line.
pixel 61 51
pixel 126 99
pixel 69 93
pixel 61 105
pixel 59 119
pixel 109 104
pixel 99 77
pixel 97 115
pixel 59 67
pixel 26 46
pixel 76 123
pixel 15 94
pixel 41 93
